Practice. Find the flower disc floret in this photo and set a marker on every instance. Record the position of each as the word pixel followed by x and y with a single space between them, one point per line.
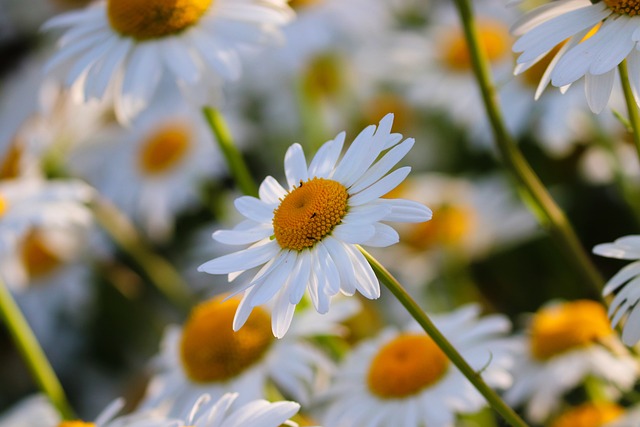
pixel 567 326
pixel 493 36
pixel 624 7
pixel 164 149
pixel 153 19
pixel 405 366
pixel 309 212
pixel 211 351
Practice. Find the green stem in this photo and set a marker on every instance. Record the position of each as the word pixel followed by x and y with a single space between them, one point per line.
pixel 32 353
pixel 157 269
pixel 234 159
pixel 456 358
pixel 632 106
pixel 531 188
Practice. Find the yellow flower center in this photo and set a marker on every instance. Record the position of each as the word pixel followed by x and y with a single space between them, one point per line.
pixel 449 226
pixel 591 414
pixel 75 424
pixel 4 206
pixel 38 258
pixel 323 76
pixel 309 212
pixel 405 366
pixel 10 165
pixel 212 352
pixel 567 326
pixel 301 4
pixel 493 36
pixel 624 7
pixel 389 102
pixel 164 149
pixel 153 19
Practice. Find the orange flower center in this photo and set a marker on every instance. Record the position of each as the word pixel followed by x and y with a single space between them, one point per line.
pixel 567 326
pixel 591 414
pixel 10 165
pixel 405 366
pixel 38 257
pixel 309 212
pixel 493 37
pixel 75 424
pixel 624 7
pixel 164 149
pixel 301 4
pixel 153 19
pixel 212 352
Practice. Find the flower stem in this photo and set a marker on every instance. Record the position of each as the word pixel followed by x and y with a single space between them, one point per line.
pixel 632 106
pixel 234 159
pixel 531 189
pixel 456 358
pixel 32 353
pixel 157 269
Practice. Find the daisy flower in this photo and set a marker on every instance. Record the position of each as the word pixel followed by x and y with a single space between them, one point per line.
pixel 566 343
pixel 125 48
pixel 591 38
pixel 590 414
pixel 305 236
pixel 257 413
pixel 402 378
pixel 627 284
pixel 206 356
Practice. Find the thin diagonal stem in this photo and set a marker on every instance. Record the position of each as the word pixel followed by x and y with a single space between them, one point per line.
pixel 532 191
pixel 456 358
pixel 32 353
pixel 235 162
pixel 632 106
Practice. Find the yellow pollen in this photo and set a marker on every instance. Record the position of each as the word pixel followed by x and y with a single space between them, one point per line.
pixel 309 212
pixel 209 348
pixel 164 149
pixel 405 366
pixel 301 4
pixel 449 226
pixel 75 424
pixel 153 19
pixel 567 326
pixel 591 414
pixel 624 7
pixel 493 36
pixel 10 165
pixel 323 77
pixel 38 258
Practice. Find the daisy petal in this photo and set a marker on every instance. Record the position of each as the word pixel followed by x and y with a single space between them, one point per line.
pixel 241 260
pixel 295 166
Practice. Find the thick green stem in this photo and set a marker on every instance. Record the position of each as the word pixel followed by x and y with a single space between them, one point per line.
pixel 456 358
pixel 157 269
pixel 32 353
pixel 632 106
pixel 531 188
pixel 235 162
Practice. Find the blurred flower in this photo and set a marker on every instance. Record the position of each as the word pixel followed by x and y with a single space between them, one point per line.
pixel 403 378
pixel 566 343
pixel 592 39
pixel 590 414
pixel 627 283
pixel 306 236
pixel 125 48
pixel 257 413
pixel 157 166
pixel 207 356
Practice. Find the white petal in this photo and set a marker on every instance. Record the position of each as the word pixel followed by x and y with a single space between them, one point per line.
pixel 384 236
pixel 255 209
pixel 624 275
pixel 384 165
pixel 176 57
pixel 275 280
pixel 300 277
pixel 241 260
pixel 598 90
pixel 271 191
pixel 544 13
pixel 380 188
pixel 295 166
pixel 631 330
pixel 244 236
pixel 403 210
pixel 325 159
pixel 353 233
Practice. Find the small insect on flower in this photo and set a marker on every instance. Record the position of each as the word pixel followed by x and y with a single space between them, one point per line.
pixel 305 237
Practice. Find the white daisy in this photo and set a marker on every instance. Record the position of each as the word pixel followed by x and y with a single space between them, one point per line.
pixel 305 236
pixel 156 167
pixel 25 203
pixel 256 413
pixel 126 48
pixel 593 39
pixel 566 343
pixel 206 356
pixel 402 378
pixel 627 284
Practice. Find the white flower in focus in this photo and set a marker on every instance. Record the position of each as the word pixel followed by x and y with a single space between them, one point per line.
pixel 27 203
pixel 125 48
pixel 627 284
pixel 402 378
pixel 256 413
pixel 304 237
pixel 566 343
pixel 206 356
pixel 591 38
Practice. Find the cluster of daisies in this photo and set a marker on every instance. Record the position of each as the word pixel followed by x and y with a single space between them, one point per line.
pixel 110 172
